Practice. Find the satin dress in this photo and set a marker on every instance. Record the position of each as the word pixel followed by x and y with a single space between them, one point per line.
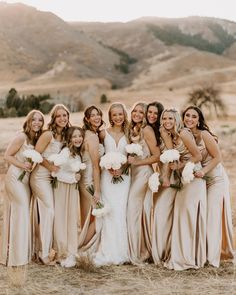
pixel 84 245
pixel 139 209
pixel 43 206
pixel 113 247
pixel 219 217
pixel 16 231
pixel 66 220
pixel 163 217
pixel 188 236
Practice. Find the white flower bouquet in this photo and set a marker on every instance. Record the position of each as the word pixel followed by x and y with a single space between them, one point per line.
pixel 154 182
pixel 100 210
pixel 188 173
pixel 32 156
pixel 169 156
pixel 133 149
pixel 69 166
pixel 113 161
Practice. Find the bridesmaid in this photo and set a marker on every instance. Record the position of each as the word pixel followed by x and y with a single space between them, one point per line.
pixel 89 232
pixel 154 111
pixel 219 219
pixel 50 142
pixel 16 237
pixel 66 199
pixel 188 233
pixel 140 196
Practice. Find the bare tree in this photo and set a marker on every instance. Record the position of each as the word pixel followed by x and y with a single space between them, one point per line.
pixel 208 97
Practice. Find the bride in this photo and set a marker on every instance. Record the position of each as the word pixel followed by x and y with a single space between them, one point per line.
pixel 113 248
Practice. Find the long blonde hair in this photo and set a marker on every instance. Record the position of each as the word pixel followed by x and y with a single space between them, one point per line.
pixel 178 121
pixel 135 130
pixel 125 125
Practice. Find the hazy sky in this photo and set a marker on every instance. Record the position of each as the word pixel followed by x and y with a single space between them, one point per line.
pixel 125 10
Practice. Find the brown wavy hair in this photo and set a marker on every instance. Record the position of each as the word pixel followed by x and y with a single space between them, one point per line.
pixel 68 142
pixel 156 126
pixel 52 125
pixel 202 123
pixel 87 115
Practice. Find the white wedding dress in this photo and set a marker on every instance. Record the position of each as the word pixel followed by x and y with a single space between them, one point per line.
pixel 113 248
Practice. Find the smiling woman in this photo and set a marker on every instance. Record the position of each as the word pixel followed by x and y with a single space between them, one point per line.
pixel 16 233
pixel 50 142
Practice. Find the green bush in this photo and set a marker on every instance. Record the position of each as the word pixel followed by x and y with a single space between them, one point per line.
pixel 20 106
pixel 103 98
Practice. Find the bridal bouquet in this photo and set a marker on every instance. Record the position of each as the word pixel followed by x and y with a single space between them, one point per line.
pixel 69 166
pixel 32 156
pixel 100 210
pixel 169 156
pixel 133 149
pixel 113 161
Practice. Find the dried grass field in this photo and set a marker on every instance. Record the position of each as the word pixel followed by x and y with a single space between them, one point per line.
pixel 126 279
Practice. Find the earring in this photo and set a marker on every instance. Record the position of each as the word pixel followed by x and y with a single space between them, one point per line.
pixel 112 123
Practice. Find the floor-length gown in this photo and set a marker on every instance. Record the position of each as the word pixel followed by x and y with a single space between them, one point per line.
pixel 163 219
pixel 188 237
pixel 113 247
pixel 219 216
pixel 43 206
pixel 66 220
pixel 16 232
pixel 85 245
pixel 139 211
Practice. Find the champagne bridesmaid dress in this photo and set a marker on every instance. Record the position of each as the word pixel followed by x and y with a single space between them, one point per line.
pixel 16 233
pixel 43 211
pixel 188 238
pixel 163 217
pixel 66 221
pixel 219 217
pixel 139 210
pixel 86 205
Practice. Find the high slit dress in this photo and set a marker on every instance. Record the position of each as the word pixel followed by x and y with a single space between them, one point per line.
pixel 16 231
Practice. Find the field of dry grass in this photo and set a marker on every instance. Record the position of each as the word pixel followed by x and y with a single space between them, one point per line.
pixel 127 279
